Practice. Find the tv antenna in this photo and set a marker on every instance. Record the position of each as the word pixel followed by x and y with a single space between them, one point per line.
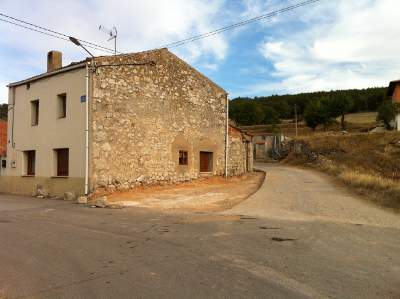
pixel 112 35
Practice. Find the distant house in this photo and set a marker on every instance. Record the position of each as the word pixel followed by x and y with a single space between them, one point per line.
pixel 267 145
pixel 394 92
pixel 117 122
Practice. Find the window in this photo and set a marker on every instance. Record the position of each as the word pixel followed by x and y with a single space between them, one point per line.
pixel 30 161
pixel 62 105
pixel 183 158
pixel 35 112
pixel 62 161
pixel 28 86
pixel 3 163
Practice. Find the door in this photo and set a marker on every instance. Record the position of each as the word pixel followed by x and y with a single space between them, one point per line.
pixel 206 161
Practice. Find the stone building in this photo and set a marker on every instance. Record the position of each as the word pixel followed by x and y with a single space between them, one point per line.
pixel 240 151
pixel 116 122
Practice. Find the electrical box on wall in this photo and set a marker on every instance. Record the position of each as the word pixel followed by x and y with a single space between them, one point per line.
pixel 13 164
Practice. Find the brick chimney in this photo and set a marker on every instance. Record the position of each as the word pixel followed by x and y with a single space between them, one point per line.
pixel 54 61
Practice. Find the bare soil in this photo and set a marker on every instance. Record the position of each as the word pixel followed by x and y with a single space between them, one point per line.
pixel 205 194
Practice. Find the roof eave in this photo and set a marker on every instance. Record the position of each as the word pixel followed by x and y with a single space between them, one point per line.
pixel 392 86
pixel 45 75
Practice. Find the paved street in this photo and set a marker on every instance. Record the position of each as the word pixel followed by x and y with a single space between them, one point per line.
pixel 299 236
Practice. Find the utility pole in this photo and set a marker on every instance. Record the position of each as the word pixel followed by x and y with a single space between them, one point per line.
pixel 295 119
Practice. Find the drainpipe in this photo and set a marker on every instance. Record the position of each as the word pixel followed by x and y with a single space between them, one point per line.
pixel 227 137
pixel 13 116
pixel 87 132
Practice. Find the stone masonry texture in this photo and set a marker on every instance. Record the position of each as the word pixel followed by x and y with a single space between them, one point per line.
pixel 145 108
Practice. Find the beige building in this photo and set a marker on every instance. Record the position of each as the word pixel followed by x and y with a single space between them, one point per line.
pixel 115 123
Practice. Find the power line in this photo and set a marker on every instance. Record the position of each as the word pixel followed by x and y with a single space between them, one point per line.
pixel 240 24
pixel 62 36
pixel 50 32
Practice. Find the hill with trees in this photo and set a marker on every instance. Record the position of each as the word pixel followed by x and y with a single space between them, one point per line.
pixel 3 111
pixel 317 108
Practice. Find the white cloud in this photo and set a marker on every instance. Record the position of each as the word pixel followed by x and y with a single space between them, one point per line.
pixel 354 46
pixel 142 25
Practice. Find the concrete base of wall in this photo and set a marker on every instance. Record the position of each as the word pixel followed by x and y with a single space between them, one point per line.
pixel 28 185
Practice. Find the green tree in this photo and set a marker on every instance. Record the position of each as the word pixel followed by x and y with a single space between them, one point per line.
pixel 387 113
pixel 315 114
pixel 3 111
pixel 340 106
pixel 246 113
pixel 271 116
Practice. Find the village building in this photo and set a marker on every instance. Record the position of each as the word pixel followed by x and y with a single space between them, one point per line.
pixel 116 122
pixel 394 92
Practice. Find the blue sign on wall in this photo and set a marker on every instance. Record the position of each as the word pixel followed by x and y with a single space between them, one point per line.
pixel 83 99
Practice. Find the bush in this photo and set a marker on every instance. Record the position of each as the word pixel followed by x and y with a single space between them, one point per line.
pixel 387 113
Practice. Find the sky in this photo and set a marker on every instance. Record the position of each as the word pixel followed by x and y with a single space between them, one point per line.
pixel 327 45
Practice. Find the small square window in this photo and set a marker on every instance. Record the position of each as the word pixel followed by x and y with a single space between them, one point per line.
pixel 35 112
pixel 62 105
pixel 30 162
pixel 3 163
pixel 183 158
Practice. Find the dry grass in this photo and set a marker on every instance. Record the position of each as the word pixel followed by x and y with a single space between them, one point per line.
pixel 367 163
pixel 361 118
pixel 355 122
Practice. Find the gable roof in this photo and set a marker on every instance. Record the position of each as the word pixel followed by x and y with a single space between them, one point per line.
pixel 392 87
pixel 82 64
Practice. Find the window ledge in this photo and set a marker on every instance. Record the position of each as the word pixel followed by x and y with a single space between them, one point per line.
pixel 60 177
pixel 28 175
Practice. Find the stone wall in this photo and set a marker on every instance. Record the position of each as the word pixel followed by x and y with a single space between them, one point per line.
pixel 240 153
pixel 145 108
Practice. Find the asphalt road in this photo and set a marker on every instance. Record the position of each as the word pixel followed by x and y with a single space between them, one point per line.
pixel 55 249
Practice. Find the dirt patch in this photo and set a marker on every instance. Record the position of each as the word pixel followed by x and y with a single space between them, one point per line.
pixel 206 194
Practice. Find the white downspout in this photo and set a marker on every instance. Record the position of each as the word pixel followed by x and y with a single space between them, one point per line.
pixel 227 137
pixel 87 133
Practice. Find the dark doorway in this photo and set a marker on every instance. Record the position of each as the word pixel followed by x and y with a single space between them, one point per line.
pixel 62 161
pixel 206 161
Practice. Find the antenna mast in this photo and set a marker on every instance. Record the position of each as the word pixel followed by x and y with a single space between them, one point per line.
pixel 113 33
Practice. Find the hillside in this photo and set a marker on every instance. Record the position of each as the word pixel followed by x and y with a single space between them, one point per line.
pixel 273 109
pixel 355 123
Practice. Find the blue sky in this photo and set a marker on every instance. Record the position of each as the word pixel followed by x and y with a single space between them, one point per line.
pixel 328 45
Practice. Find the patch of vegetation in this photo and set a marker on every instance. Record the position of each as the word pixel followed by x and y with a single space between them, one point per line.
pixel 387 113
pixel 3 111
